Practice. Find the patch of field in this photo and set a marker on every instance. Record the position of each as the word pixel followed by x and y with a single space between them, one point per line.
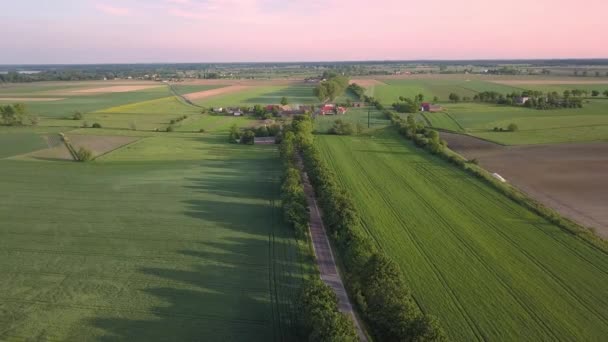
pixel 441 88
pixel 550 81
pixel 295 94
pixel 86 104
pixel 215 123
pixel 367 82
pixel 215 92
pixel 569 178
pixel 487 267
pixel 97 144
pixel 194 88
pixel 149 247
pixel 442 120
pixel 535 126
pixel 166 105
pixel 12 144
pixel 115 89
pixel 241 98
pixel 30 99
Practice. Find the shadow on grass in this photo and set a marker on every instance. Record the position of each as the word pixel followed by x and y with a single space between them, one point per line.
pixel 239 285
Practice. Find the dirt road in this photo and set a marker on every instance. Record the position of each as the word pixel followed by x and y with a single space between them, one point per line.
pixel 324 254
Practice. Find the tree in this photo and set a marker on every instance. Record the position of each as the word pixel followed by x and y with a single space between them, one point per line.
pixel 454 97
pixel 342 128
pixel 435 99
pixel 84 155
pixel 605 93
pixel 284 101
pixel 234 134
pixel 595 93
pixel 77 115
pixel 512 127
pixel 248 138
pixel 566 94
pixel 420 97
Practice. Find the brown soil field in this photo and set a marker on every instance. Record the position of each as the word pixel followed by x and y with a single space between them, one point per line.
pixel 31 99
pixel 367 82
pixel 97 144
pixel 215 92
pixel 115 89
pixel 570 178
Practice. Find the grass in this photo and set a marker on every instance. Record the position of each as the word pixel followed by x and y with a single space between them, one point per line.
pixel 487 267
pixel 183 242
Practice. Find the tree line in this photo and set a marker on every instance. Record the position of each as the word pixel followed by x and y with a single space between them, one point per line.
pixel 331 88
pixel 319 316
pixel 374 281
pixel 16 115
pixel 357 90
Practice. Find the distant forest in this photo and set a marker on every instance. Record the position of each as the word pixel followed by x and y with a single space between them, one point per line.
pixel 34 73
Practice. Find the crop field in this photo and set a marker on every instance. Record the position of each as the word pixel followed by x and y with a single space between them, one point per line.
pixel 487 267
pixel 95 102
pixel 175 236
pixel 183 89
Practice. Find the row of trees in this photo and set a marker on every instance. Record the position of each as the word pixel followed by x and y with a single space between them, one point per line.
pixel 331 88
pixel 374 281
pixel 16 115
pixel 417 132
pixel 247 137
pixel 319 318
pixel 357 90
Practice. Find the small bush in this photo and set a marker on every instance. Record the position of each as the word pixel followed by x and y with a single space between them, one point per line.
pixel 77 116
pixel 512 127
pixel 202 130
pixel 169 129
pixel 84 155
pixel 96 125
pixel 172 122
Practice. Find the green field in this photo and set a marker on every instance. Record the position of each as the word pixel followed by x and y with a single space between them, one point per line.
pixel 194 88
pixel 535 126
pixel 487 267
pixel 178 236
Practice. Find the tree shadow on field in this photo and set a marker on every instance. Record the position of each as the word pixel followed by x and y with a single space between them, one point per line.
pixel 238 287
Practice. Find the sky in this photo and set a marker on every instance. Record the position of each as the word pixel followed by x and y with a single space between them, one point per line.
pixel 155 31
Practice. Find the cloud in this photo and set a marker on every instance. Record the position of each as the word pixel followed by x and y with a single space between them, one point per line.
pixel 113 10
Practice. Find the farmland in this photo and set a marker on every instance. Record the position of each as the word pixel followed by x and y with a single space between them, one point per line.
pixel 166 236
pixel 479 119
pixel 487 267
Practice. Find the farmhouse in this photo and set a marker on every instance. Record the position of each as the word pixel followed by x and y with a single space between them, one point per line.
pixel 521 100
pixel 428 107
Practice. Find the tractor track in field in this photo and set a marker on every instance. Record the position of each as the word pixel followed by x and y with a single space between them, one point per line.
pixel 324 254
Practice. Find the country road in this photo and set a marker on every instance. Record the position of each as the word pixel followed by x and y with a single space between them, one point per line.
pixel 324 254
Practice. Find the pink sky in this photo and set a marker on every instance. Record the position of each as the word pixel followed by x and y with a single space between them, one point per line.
pixel 123 31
